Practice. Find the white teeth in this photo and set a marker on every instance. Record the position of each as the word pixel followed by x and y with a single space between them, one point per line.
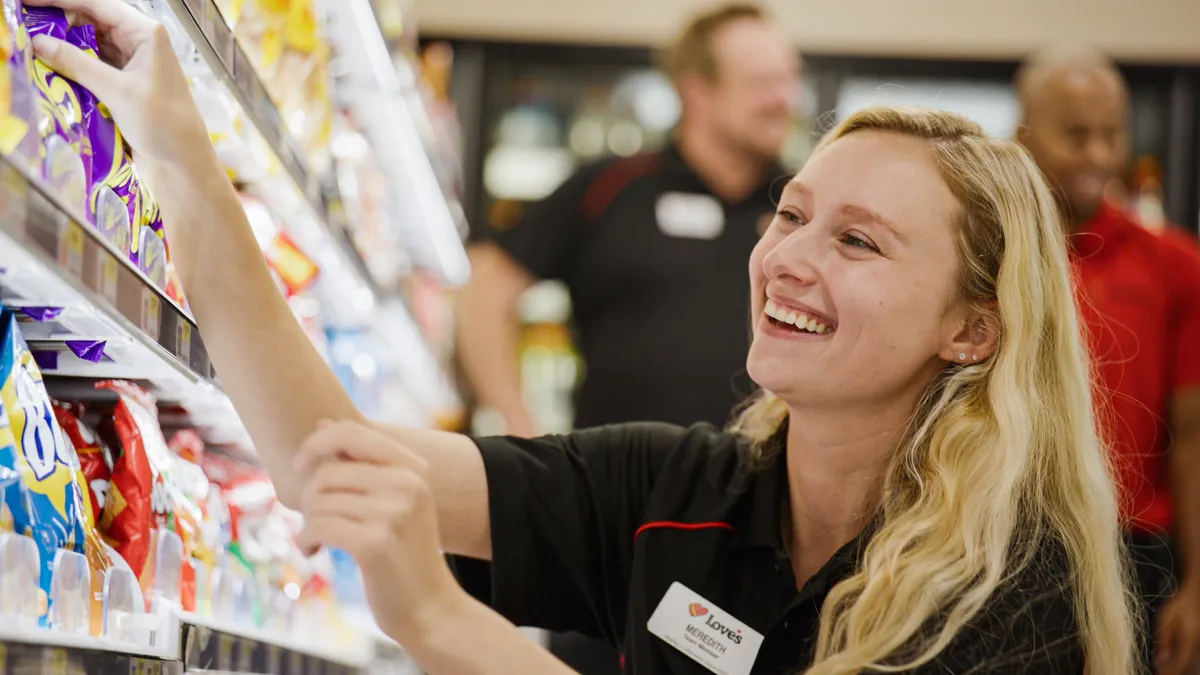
pixel 797 319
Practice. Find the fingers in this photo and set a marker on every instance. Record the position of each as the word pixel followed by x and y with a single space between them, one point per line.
pixel 366 526
pixel 343 476
pixel 1164 656
pixel 73 63
pixel 358 442
pixel 106 15
pixel 384 499
pixel 1183 656
pixel 1177 643
pixel 120 28
pixel 353 507
pixel 335 531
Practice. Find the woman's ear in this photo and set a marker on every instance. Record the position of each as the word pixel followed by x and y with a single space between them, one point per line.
pixel 973 339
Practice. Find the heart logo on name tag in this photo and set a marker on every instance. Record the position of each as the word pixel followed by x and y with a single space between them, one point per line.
pixel 707 634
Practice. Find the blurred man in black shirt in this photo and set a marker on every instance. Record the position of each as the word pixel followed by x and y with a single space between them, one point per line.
pixel 653 250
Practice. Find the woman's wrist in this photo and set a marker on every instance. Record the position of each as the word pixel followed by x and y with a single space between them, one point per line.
pixel 197 170
pixel 432 626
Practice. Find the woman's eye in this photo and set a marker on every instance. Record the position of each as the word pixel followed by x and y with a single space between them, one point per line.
pixel 858 242
pixel 790 216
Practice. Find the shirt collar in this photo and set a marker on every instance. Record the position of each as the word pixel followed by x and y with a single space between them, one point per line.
pixel 759 516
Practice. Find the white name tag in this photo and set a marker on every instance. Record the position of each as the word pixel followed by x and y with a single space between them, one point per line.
pixel 690 216
pixel 709 635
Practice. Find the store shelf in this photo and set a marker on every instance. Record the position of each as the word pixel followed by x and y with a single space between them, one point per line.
pixel 214 39
pixel 296 195
pixel 382 99
pixel 429 221
pixel 77 288
pixel 211 645
pixel 20 654
pixel 52 639
pixel 205 645
pixel 51 257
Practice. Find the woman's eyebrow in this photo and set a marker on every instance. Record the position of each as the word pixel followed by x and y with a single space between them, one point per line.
pixel 862 212
pixel 796 189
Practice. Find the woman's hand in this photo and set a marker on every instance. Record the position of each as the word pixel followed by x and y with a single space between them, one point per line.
pixel 1178 633
pixel 139 80
pixel 367 495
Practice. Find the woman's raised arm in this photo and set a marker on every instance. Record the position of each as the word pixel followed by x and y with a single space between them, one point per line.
pixel 279 384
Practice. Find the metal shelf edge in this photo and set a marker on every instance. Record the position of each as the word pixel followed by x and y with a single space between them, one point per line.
pixel 37 221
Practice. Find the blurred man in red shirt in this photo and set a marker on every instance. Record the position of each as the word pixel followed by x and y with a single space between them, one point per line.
pixel 1140 303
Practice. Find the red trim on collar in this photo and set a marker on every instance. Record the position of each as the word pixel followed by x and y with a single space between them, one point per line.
pixel 682 526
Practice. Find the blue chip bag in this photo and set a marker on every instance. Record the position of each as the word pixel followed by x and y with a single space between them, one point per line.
pixel 14 496
pixel 45 459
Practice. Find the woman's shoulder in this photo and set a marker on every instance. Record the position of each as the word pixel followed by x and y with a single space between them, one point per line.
pixel 692 457
pixel 1029 624
pixel 670 441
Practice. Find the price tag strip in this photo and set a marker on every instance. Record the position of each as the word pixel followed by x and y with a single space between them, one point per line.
pixel 17 657
pixel 217 44
pixel 259 105
pixel 60 260
pixel 211 650
pixel 219 35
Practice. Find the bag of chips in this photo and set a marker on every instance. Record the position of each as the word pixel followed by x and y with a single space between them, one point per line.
pixel 19 126
pixel 68 159
pixel 45 459
pixel 127 513
pixel 135 419
pixel 87 445
pixel 192 491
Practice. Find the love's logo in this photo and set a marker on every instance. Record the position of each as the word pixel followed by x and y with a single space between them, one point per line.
pixel 696 609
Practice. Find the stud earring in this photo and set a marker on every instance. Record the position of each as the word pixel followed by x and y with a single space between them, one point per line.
pixel 974 357
pixel 962 357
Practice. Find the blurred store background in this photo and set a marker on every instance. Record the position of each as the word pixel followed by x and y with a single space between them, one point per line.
pixel 369 142
pixel 541 87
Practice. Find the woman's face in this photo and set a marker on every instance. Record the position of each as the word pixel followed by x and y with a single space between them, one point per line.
pixel 862 253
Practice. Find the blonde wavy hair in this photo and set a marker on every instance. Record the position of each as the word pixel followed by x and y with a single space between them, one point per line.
pixel 999 458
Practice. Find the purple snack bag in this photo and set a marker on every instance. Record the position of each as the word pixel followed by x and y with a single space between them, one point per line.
pixel 111 169
pixel 88 350
pixel 134 196
pixel 100 135
pixel 18 133
pixel 67 149
pixel 59 98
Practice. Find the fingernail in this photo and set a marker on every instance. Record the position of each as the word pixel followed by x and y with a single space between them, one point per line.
pixel 44 45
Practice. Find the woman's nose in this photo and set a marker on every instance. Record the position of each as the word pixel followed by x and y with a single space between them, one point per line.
pixel 797 257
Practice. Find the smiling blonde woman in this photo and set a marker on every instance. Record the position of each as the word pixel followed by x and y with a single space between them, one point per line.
pixel 920 489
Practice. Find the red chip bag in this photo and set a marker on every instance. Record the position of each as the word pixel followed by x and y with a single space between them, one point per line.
pixel 136 418
pixel 191 495
pixel 246 489
pixel 91 476
pixel 94 459
pixel 129 510
pixel 188 445
pixel 188 519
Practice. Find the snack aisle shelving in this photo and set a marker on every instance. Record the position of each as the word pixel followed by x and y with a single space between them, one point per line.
pixel 87 312
pixel 58 261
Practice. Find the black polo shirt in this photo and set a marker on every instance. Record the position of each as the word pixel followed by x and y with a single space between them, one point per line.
pixel 590 530
pixel 659 288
